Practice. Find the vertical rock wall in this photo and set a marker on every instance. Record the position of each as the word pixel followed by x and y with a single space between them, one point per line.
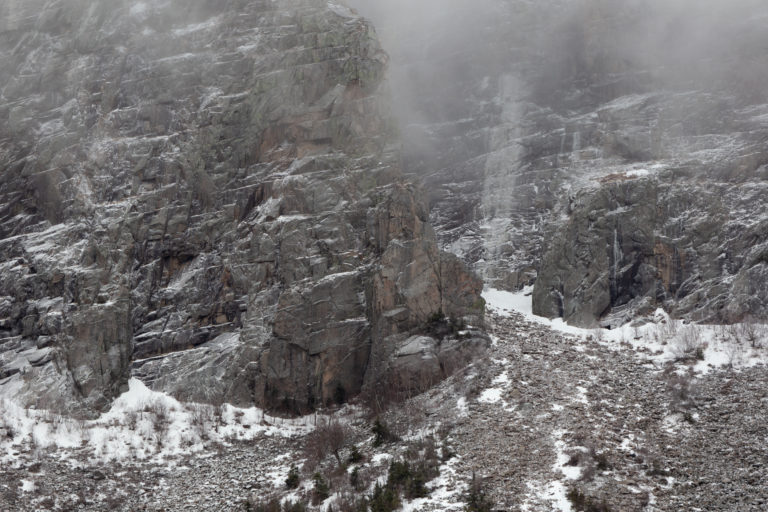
pixel 206 194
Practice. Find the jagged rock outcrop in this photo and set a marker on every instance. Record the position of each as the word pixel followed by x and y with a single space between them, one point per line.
pixel 208 194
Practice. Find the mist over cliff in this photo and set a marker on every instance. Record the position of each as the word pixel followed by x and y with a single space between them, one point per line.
pixel 514 112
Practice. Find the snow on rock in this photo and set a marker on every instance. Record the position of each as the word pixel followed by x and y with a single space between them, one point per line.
pixel 141 425
pixel 28 486
pixel 637 173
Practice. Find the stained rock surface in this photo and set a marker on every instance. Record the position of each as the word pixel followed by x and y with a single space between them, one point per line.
pixel 208 195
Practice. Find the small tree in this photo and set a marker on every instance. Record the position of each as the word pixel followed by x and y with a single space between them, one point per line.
pixel 381 433
pixel 321 491
pixel 383 499
pixel 336 436
pixel 354 479
pixel 477 499
pixel 293 480
pixel 354 455
pixel 331 437
pixel 294 507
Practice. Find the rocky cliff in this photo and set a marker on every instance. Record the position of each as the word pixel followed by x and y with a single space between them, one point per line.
pixel 208 195
pixel 612 153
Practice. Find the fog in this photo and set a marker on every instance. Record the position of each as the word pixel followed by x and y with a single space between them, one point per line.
pixel 490 93
pixel 560 44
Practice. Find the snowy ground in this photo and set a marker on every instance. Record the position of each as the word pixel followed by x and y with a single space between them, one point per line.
pixel 586 395
pixel 142 425
pixel 658 339
pixel 551 409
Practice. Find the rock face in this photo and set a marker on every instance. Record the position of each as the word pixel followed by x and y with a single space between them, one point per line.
pixel 675 218
pixel 611 152
pixel 208 195
pixel 638 243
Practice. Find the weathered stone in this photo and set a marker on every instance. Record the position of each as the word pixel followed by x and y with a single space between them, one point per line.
pixel 661 241
pixel 212 199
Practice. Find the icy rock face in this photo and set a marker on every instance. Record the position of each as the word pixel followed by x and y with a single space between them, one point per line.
pixel 611 152
pixel 672 212
pixel 207 194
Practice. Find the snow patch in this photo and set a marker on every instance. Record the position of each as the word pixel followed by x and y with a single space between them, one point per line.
pixel 491 395
pixel 142 425
pixel 461 406
pixel 637 173
pixel 552 493
pixel 562 458
pixel 502 379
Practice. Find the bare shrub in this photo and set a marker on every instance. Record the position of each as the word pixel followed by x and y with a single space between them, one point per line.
pixel 666 330
pixel 753 332
pixel 132 420
pixel 218 408
pixel 201 416
pixel 6 429
pixel 347 502
pixel 330 437
pixel 379 396
pixel 390 387
pixel 581 501
pixel 160 417
pixel 689 344
pixel 260 505
pixel 734 334
pixel 681 390
pixel 361 478
pixel 734 352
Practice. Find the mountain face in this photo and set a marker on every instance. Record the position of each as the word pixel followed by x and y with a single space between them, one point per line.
pixel 611 153
pixel 208 195
pixel 216 197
